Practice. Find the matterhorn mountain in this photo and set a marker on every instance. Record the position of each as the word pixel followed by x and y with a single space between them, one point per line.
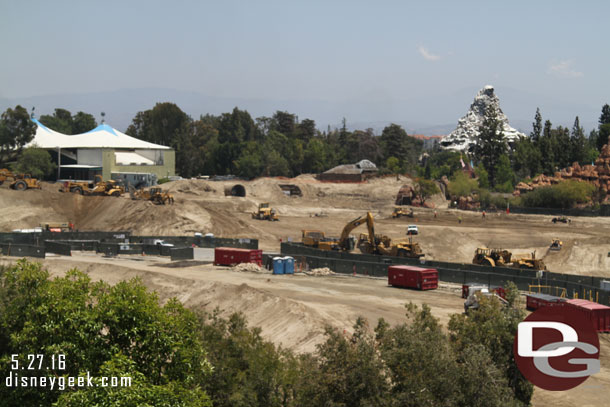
pixel 464 136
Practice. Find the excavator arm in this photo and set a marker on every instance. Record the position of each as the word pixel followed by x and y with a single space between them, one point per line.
pixel 344 239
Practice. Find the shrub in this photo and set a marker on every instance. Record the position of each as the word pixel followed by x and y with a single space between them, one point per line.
pixel 563 195
pixel 462 185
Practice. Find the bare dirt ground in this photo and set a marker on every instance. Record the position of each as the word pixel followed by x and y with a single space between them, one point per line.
pixel 293 310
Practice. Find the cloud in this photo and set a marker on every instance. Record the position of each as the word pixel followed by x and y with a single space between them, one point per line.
pixel 427 54
pixel 563 69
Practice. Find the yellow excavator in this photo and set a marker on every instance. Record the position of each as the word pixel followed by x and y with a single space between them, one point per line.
pixel 377 244
pixel 265 212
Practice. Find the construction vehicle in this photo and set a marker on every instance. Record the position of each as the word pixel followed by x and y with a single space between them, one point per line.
pixel 265 212
pixel 317 239
pixel 528 263
pixel 491 257
pixel 372 243
pixel 21 182
pixel 99 187
pixel 504 258
pixel 399 212
pixel 155 195
pixel 556 245
pixel 57 226
pixel 561 219
pixel 474 295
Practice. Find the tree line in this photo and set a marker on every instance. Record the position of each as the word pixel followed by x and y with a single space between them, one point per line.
pixel 176 357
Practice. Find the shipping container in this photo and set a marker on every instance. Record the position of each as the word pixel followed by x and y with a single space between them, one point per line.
pixel 227 256
pixel 598 314
pixel 537 300
pixel 413 277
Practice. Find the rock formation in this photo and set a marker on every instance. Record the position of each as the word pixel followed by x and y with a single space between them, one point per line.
pixel 464 136
pixel 597 174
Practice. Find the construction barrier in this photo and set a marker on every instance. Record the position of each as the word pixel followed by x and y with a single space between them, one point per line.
pixel 57 248
pixel 21 250
pixel 182 253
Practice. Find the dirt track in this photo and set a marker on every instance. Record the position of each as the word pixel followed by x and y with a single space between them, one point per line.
pixel 292 310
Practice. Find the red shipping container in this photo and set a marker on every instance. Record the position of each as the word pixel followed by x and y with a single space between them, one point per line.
pixel 227 256
pixel 537 300
pixel 598 314
pixel 413 277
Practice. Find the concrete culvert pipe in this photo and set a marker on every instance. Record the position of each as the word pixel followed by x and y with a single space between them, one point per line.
pixel 235 190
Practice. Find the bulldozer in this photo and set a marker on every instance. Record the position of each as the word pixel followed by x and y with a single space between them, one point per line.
pixel 504 258
pixel 378 244
pixel 265 212
pixel 20 182
pixel 317 239
pixel 399 212
pixel 556 245
pixel 491 257
pixel 99 187
pixel 155 195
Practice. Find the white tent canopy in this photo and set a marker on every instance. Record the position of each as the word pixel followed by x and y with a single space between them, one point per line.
pixel 103 136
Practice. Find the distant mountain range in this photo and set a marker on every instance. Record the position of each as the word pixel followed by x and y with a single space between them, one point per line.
pixel 428 115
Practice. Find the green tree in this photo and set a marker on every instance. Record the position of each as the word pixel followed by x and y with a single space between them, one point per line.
pixel 578 143
pixel 248 371
pixel 346 371
pixel 306 130
pixel 462 185
pixel 536 127
pixel 82 123
pixel 284 123
pixel 504 175
pixel 276 165
pixel 548 147
pixel 314 160
pixel 250 163
pixel 603 135
pixel 604 118
pixel 482 175
pixel 526 158
pixel 490 143
pixel 16 130
pixel 395 142
pixel 393 165
pixel 60 121
pixel 425 189
pixel 493 326
pixel 36 162
pixel 92 324
pixel 562 145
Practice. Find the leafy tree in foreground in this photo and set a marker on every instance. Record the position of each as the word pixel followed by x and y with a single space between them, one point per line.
pixel 425 189
pixel 36 162
pixel 98 328
pixel 16 130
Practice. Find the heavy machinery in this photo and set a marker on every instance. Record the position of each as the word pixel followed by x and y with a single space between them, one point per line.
pixel 491 257
pixel 57 226
pixel 399 212
pixel 155 195
pixel 372 243
pixel 265 212
pixel 21 182
pixel 317 239
pixel 556 245
pixel 501 257
pixel 561 219
pixel 99 187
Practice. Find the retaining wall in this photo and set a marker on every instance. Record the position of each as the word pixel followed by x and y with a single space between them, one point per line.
pixel 22 250
pixel 57 248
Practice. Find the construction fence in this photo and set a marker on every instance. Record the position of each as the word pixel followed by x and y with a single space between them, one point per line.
pixel 461 273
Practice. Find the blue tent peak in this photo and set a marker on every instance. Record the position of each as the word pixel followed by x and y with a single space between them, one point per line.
pixel 104 127
pixel 40 124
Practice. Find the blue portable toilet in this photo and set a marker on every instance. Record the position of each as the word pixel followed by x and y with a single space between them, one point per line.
pixel 278 265
pixel 288 265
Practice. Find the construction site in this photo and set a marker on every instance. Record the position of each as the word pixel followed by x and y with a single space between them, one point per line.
pixel 343 236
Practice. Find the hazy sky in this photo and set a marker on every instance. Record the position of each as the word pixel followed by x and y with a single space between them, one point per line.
pixel 553 53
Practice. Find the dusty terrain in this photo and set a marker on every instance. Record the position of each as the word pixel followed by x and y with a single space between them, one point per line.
pixel 293 310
